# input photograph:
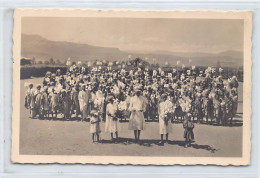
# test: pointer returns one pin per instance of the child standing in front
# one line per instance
(188, 132)
(94, 125)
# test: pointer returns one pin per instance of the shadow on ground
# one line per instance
(156, 142)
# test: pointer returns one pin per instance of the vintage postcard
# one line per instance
(131, 87)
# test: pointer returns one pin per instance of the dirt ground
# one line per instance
(48, 137)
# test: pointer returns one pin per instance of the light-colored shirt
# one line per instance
(137, 103)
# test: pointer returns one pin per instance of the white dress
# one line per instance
(163, 127)
(95, 127)
(82, 99)
(111, 126)
(99, 101)
(83, 103)
(136, 121)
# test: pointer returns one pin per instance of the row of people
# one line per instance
(136, 121)
(205, 95)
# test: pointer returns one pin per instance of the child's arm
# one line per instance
(184, 124)
(192, 125)
(94, 122)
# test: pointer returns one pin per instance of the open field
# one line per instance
(47, 137)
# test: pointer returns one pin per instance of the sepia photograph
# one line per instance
(132, 87)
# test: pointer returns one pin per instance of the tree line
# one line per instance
(33, 61)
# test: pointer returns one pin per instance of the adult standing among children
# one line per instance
(129, 96)
(137, 122)
(75, 100)
(89, 99)
(99, 101)
(234, 99)
(84, 101)
(91, 89)
(165, 109)
(112, 122)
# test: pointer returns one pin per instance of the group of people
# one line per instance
(137, 94)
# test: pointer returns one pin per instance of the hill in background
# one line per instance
(43, 49)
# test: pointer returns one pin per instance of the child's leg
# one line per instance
(135, 133)
(93, 137)
(138, 136)
(231, 121)
(161, 137)
(167, 137)
(32, 113)
(97, 134)
(56, 114)
(161, 142)
(116, 134)
(186, 142)
(112, 136)
(52, 114)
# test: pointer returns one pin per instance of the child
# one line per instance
(66, 104)
(54, 102)
(188, 132)
(45, 102)
(29, 98)
(94, 125)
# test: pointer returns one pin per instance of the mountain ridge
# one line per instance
(44, 49)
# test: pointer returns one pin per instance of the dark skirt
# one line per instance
(188, 134)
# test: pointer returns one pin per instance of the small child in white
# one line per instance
(94, 125)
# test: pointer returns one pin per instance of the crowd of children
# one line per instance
(138, 94)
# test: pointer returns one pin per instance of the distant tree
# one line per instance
(58, 61)
(26, 62)
(46, 62)
(146, 64)
(137, 61)
(155, 65)
(33, 60)
(40, 62)
(51, 61)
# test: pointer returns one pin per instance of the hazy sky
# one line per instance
(177, 35)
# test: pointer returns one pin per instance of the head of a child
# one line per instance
(30, 85)
(189, 117)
